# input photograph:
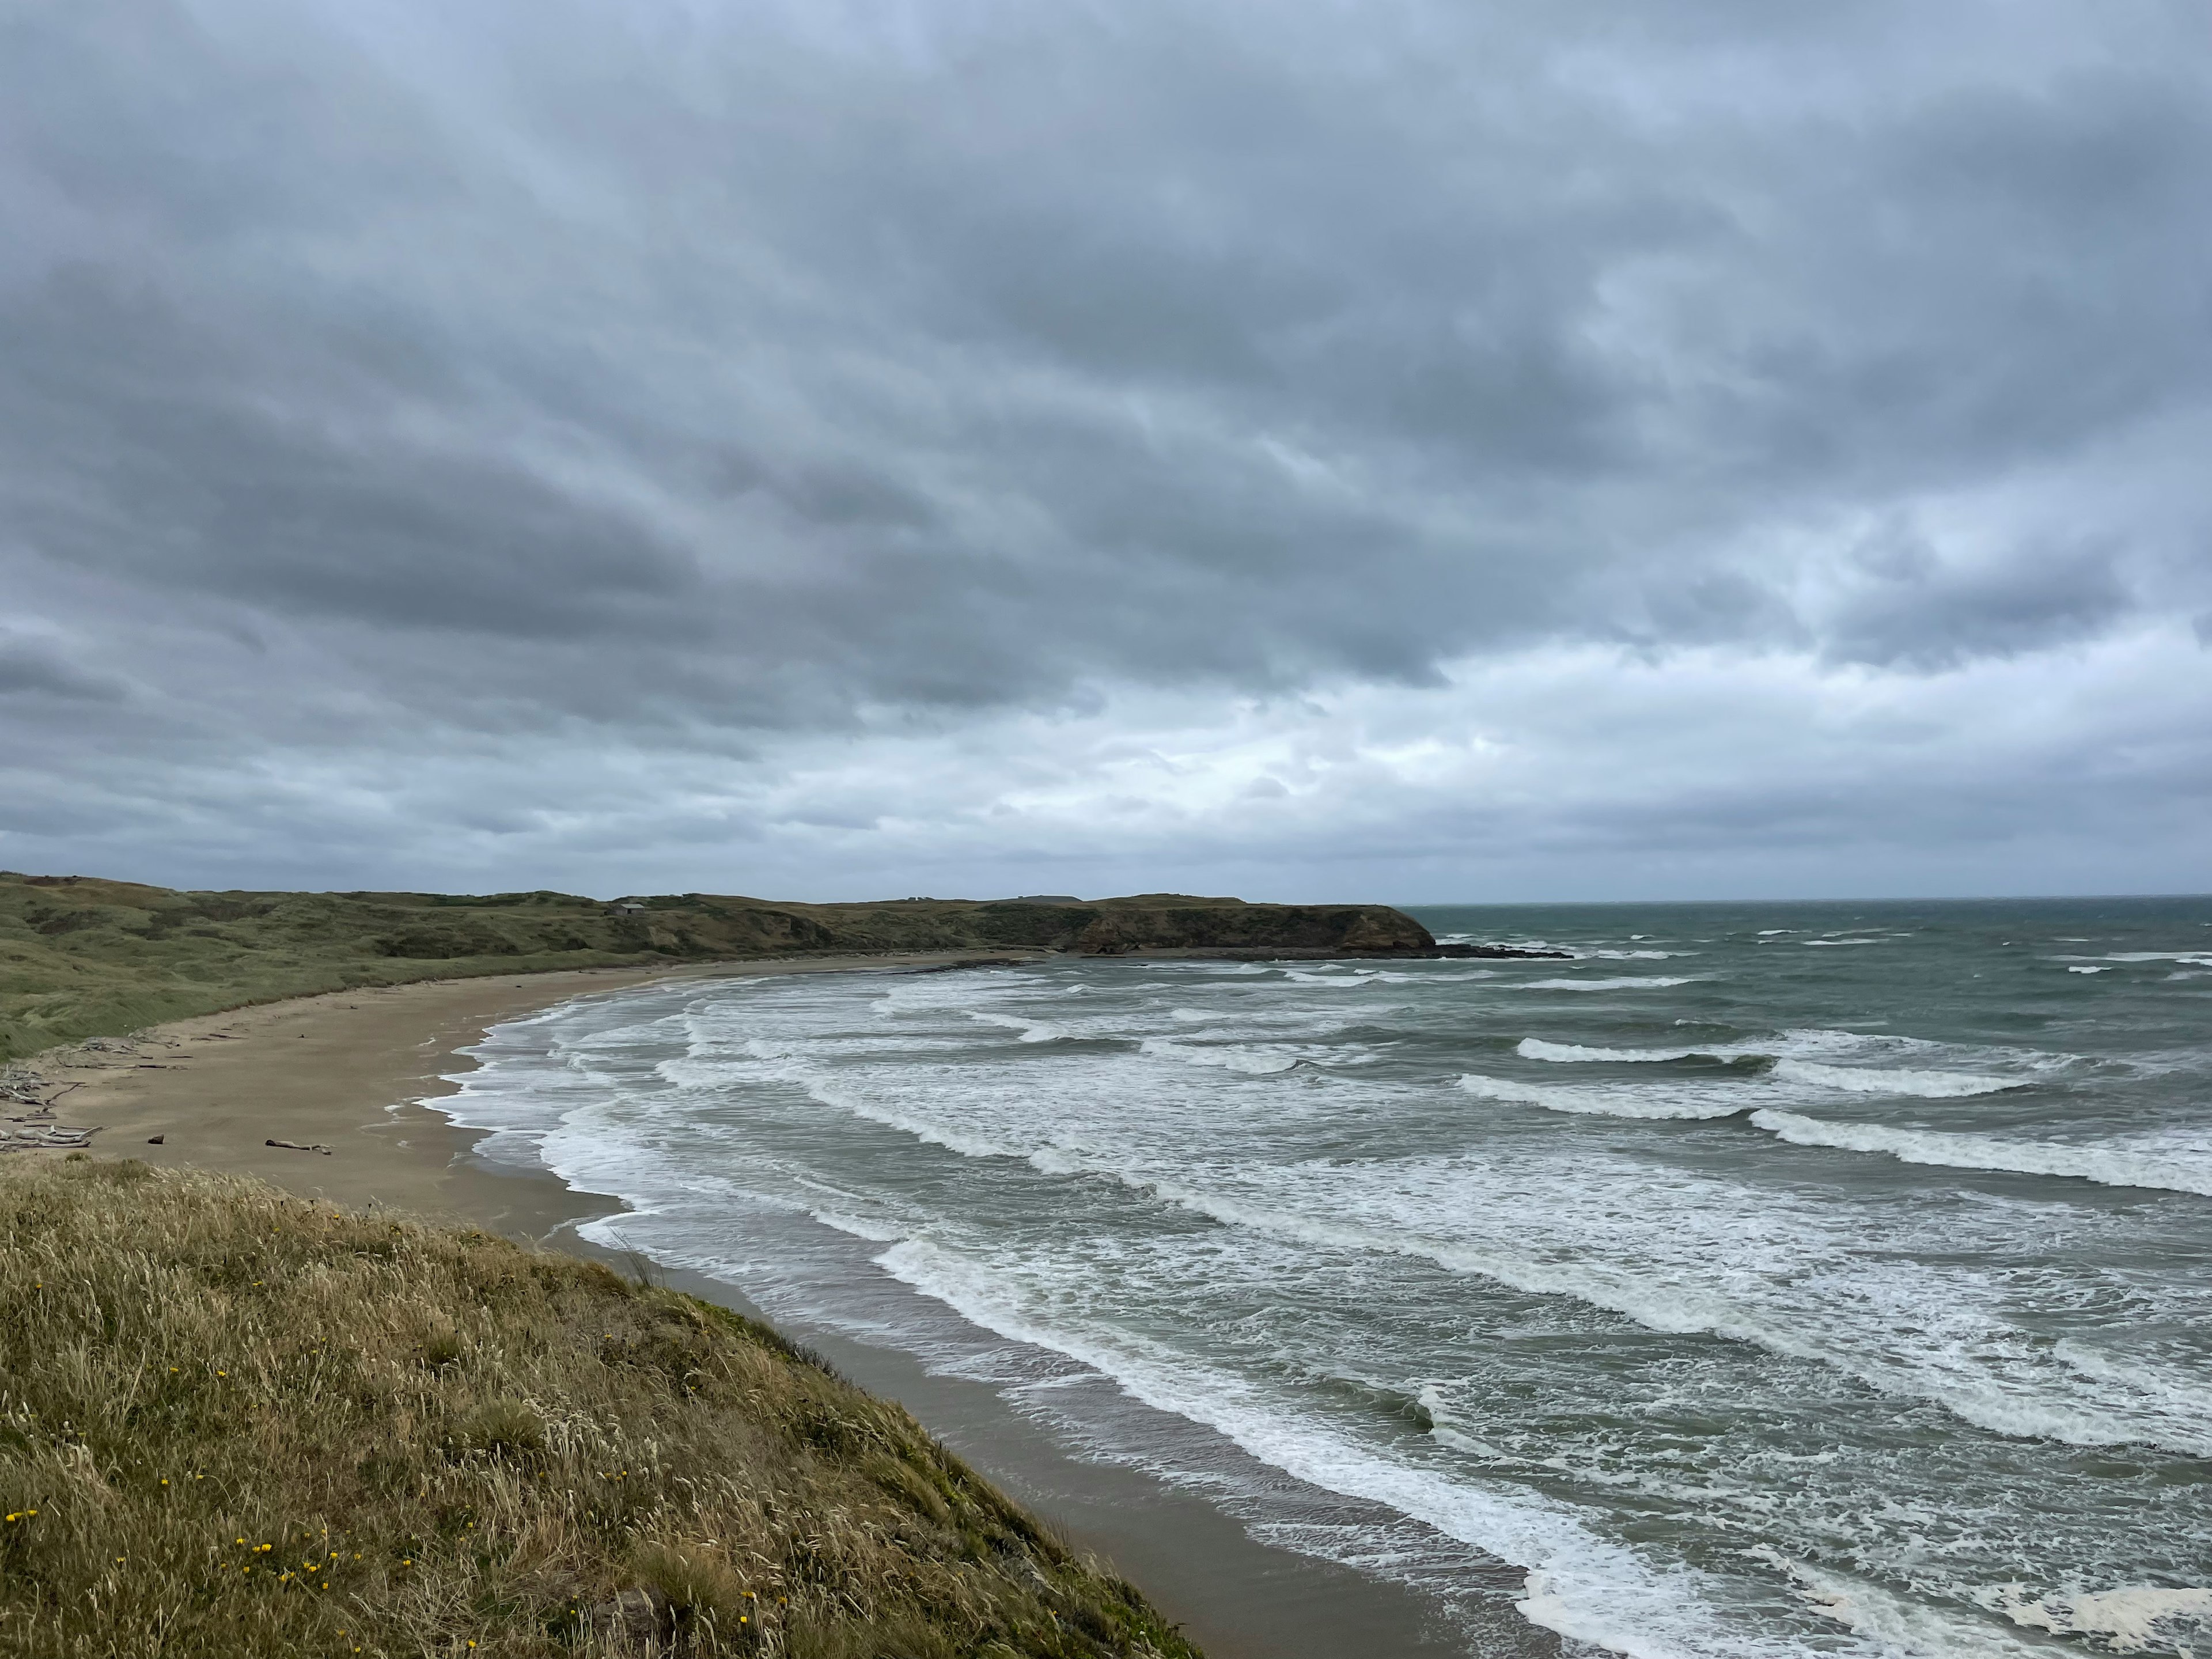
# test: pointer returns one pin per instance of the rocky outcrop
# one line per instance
(1336, 929)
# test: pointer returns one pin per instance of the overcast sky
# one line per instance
(1305, 448)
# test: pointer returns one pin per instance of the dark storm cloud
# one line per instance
(689, 374)
(1913, 610)
(41, 667)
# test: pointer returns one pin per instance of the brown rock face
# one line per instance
(1119, 928)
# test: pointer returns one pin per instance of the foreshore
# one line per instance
(352, 1072)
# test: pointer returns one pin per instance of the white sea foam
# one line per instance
(1644, 1100)
(1574, 1053)
(1253, 1058)
(920, 1125)
(1357, 979)
(1895, 1624)
(2088, 970)
(1840, 941)
(1791, 1044)
(2130, 1620)
(2111, 1166)
(1936, 1299)
(1031, 1030)
(1959, 1355)
(1578, 1585)
(1894, 1080)
(1647, 982)
(1635, 956)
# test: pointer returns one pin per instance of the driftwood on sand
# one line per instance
(295, 1146)
(21, 1135)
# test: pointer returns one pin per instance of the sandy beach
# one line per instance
(345, 1071)
(348, 1071)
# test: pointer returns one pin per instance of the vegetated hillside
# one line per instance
(80, 957)
(239, 1426)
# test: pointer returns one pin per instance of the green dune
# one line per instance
(81, 956)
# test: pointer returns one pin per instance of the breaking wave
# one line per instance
(1642, 982)
(2108, 1165)
(1645, 1100)
(1573, 1052)
(1894, 1080)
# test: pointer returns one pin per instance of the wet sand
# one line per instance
(347, 1070)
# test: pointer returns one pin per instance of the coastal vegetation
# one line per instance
(237, 1423)
(83, 957)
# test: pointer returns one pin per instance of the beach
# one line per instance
(349, 1071)
(345, 1071)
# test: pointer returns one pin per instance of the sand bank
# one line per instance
(348, 1071)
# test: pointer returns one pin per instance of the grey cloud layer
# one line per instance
(375, 375)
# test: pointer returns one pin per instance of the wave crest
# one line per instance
(1894, 1080)
(2108, 1165)
(1653, 1101)
(1572, 1053)
(1641, 983)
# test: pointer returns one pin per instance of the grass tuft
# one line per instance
(240, 1424)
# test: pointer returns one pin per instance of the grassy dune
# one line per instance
(83, 957)
(237, 1424)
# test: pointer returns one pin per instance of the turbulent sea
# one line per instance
(1765, 1280)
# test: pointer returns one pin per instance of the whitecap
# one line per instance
(1649, 983)
(1572, 1053)
(1893, 1081)
(1032, 1031)
(1643, 1100)
(2107, 1165)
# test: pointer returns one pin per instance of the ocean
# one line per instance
(1759, 1279)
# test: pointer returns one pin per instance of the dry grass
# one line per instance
(233, 1423)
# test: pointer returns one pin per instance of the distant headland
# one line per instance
(87, 958)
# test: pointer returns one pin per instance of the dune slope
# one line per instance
(237, 1423)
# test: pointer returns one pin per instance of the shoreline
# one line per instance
(350, 1070)
(360, 1071)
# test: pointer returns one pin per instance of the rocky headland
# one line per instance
(83, 957)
